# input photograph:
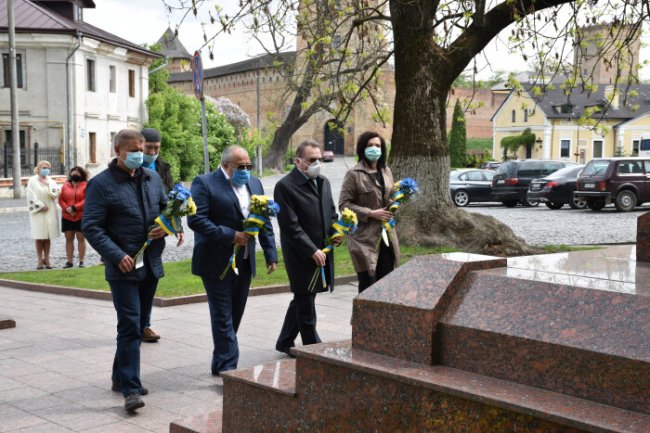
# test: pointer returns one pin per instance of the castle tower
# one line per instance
(178, 57)
(605, 51)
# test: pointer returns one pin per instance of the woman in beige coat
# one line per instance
(42, 193)
(366, 189)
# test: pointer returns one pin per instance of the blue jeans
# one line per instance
(227, 301)
(132, 301)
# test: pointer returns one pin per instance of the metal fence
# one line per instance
(28, 160)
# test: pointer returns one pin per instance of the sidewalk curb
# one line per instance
(13, 210)
(158, 302)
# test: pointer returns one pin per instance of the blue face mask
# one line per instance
(149, 159)
(44, 172)
(373, 153)
(240, 177)
(133, 160)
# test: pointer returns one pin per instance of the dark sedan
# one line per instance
(556, 189)
(470, 185)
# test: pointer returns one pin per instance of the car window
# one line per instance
(529, 169)
(551, 166)
(508, 169)
(647, 166)
(596, 168)
(462, 176)
(490, 174)
(474, 175)
(630, 167)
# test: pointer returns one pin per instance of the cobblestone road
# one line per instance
(537, 225)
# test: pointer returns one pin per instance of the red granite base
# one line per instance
(643, 238)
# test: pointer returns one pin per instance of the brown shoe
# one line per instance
(149, 336)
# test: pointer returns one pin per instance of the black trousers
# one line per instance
(300, 319)
(385, 265)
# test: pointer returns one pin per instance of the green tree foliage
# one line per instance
(458, 137)
(178, 118)
(512, 143)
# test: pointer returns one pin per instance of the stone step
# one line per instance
(260, 398)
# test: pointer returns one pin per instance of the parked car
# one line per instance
(470, 185)
(490, 165)
(328, 155)
(622, 181)
(511, 181)
(556, 189)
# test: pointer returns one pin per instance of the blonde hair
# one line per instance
(40, 164)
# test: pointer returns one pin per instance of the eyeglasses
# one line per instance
(242, 166)
(313, 160)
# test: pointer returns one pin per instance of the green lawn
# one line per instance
(179, 280)
(479, 144)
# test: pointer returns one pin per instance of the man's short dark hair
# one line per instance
(126, 135)
(151, 135)
(300, 150)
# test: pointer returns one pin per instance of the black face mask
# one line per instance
(75, 178)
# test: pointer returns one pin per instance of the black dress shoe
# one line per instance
(133, 401)
(67, 265)
(215, 373)
(286, 350)
(117, 387)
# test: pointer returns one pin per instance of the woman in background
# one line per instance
(71, 201)
(42, 192)
(366, 190)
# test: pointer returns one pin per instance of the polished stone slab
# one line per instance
(7, 322)
(643, 238)
(398, 314)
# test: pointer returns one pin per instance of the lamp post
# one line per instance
(13, 88)
(259, 129)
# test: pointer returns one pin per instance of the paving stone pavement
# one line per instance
(55, 366)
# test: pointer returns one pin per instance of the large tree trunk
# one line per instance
(419, 148)
(277, 154)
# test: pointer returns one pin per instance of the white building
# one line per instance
(69, 121)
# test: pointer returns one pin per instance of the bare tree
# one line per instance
(432, 43)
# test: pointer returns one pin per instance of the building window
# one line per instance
(113, 77)
(635, 147)
(598, 149)
(514, 116)
(131, 83)
(5, 70)
(90, 75)
(525, 115)
(111, 145)
(565, 148)
(92, 147)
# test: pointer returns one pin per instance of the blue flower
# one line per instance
(274, 208)
(410, 186)
(179, 193)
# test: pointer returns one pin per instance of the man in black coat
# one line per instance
(151, 159)
(307, 212)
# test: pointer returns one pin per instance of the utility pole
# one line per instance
(258, 126)
(13, 88)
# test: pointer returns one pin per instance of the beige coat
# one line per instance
(361, 193)
(44, 224)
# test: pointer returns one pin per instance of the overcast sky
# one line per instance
(144, 21)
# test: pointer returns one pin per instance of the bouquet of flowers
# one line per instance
(262, 209)
(402, 191)
(180, 204)
(345, 225)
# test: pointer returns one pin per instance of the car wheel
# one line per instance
(577, 202)
(510, 203)
(595, 204)
(529, 203)
(461, 198)
(554, 206)
(625, 201)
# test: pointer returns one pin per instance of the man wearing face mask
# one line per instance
(151, 159)
(121, 204)
(222, 200)
(307, 213)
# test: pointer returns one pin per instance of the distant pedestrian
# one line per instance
(307, 212)
(42, 192)
(151, 159)
(122, 202)
(71, 201)
(366, 190)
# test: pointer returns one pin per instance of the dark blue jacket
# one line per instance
(117, 219)
(218, 217)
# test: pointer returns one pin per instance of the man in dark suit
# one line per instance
(222, 199)
(307, 212)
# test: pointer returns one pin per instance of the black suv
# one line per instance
(510, 182)
(622, 181)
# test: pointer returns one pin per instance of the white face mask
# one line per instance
(313, 169)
